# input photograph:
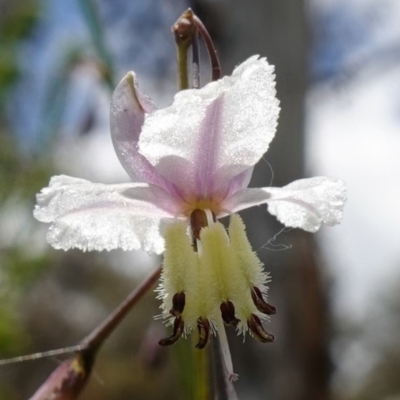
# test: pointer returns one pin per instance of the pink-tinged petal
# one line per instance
(93, 216)
(210, 135)
(240, 181)
(128, 110)
(304, 204)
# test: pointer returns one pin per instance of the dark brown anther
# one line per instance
(198, 220)
(178, 330)
(258, 331)
(228, 313)
(204, 332)
(260, 303)
(178, 304)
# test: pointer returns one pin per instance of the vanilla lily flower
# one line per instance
(191, 164)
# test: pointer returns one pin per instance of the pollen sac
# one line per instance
(178, 330)
(228, 313)
(260, 303)
(258, 331)
(178, 304)
(203, 325)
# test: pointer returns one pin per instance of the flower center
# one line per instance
(195, 205)
(209, 274)
(212, 277)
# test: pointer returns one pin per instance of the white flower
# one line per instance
(191, 163)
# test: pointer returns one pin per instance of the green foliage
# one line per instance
(19, 21)
(22, 270)
(6, 394)
(20, 178)
(8, 67)
(20, 175)
(15, 24)
(12, 338)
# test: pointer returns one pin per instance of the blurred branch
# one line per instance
(68, 380)
(92, 18)
(103, 331)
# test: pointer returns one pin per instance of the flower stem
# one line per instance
(68, 380)
(42, 354)
(226, 354)
(212, 52)
(202, 374)
(184, 31)
(103, 331)
(223, 387)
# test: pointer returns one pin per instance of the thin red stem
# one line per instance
(212, 52)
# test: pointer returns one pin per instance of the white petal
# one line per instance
(127, 114)
(93, 216)
(304, 204)
(209, 135)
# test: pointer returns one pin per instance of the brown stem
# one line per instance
(96, 338)
(69, 379)
(212, 52)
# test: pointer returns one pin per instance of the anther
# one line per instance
(178, 304)
(228, 313)
(258, 331)
(204, 332)
(178, 330)
(260, 303)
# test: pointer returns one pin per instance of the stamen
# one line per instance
(226, 354)
(258, 331)
(228, 313)
(178, 304)
(260, 303)
(198, 220)
(211, 218)
(178, 330)
(203, 325)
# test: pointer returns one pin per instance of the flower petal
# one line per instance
(128, 110)
(240, 181)
(209, 135)
(304, 204)
(93, 216)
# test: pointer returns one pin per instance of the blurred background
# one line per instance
(337, 292)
